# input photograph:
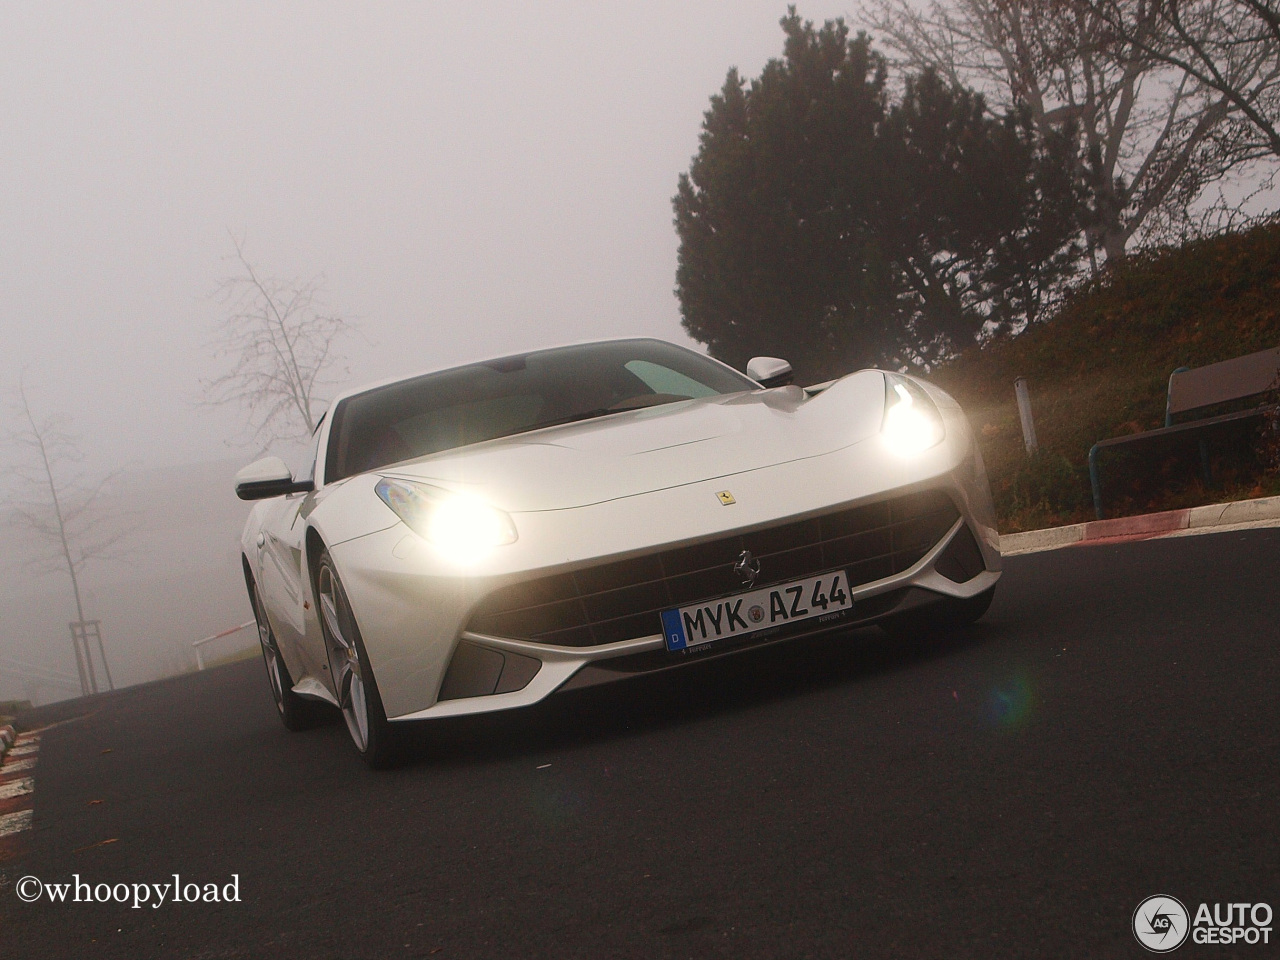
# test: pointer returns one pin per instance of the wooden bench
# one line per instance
(1191, 391)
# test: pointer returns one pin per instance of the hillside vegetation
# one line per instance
(1100, 368)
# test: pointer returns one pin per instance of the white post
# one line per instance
(197, 644)
(1024, 414)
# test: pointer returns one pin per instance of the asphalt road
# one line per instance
(1110, 731)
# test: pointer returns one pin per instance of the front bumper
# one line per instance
(414, 611)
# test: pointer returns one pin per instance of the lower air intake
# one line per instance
(623, 599)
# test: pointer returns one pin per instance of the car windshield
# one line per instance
(498, 398)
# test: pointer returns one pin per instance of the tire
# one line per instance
(296, 713)
(349, 668)
(939, 619)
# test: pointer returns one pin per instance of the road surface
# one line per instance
(1109, 731)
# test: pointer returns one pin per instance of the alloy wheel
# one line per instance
(344, 658)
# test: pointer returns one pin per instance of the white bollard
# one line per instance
(1024, 414)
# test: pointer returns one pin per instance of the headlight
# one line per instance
(911, 422)
(464, 528)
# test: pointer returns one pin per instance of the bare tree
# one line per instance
(1151, 135)
(1229, 46)
(280, 340)
(60, 508)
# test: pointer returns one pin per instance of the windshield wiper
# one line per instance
(623, 406)
(571, 418)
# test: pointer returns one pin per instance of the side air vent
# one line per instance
(962, 560)
(477, 671)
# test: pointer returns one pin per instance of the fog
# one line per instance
(175, 579)
(469, 179)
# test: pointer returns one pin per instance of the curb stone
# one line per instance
(1047, 539)
(7, 736)
(1242, 511)
(1144, 525)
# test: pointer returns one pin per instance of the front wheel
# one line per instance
(296, 713)
(353, 680)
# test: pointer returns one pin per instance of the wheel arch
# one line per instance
(249, 582)
(313, 545)
(259, 608)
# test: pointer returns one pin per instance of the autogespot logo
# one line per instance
(1161, 923)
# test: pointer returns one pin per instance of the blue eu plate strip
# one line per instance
(674, 630)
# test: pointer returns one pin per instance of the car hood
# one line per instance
(639, 451)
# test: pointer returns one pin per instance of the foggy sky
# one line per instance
(471, 179)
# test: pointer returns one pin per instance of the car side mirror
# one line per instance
(770, 371)
(268, 477)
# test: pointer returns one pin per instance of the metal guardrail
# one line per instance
(197, 644)
(33, 678)
(26, 671)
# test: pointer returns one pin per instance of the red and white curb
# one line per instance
(17, 788)
(1214, 518)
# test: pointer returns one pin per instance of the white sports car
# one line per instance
(477, 538)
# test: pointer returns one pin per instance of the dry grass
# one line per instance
(1100, 369)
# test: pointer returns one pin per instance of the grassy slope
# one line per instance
(1100, 368)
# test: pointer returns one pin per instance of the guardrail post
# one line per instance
(1024, 414)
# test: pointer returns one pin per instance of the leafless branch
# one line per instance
(58, 510)
(1231, 47)
(278, 341)
(1156, 125)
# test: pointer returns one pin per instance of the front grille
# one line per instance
(623, 600)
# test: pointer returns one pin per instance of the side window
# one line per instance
(662, 379)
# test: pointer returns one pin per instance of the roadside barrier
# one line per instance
(197, 644)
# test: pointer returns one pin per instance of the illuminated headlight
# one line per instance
(463, 527)
(911, 422)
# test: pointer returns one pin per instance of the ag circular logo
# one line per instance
(1161, 923)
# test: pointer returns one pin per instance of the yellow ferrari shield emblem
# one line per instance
(726, 497)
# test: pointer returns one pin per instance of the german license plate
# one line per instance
(761, 609)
